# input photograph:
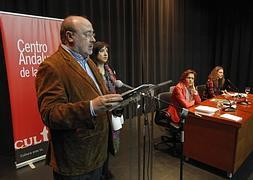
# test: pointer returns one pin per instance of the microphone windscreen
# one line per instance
(118, 83)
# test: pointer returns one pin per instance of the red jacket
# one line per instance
(179, 100)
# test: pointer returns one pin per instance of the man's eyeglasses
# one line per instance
(90, 34)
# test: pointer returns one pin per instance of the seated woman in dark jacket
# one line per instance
(184, 95)
(216, 82)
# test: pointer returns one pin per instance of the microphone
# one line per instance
(163, 83)
(119, 84)
(230, 107)
(233, 86)
(238, 95)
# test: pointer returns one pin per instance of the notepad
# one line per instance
(232, 117)
(205, 110)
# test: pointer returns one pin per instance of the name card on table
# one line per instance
(232, 117)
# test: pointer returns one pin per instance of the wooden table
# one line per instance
(218, 142)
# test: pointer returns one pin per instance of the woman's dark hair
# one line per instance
(96, 48)
(186, 72)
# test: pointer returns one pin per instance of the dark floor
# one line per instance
(125, 165)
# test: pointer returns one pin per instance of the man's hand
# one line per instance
(103, 103)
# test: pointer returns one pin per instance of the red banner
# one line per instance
(27, 41)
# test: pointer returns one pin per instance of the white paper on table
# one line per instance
(233, 94)
(232, 117)
(206, 109)
(199, 113)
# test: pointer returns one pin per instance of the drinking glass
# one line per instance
(219, 106)
(247, 91)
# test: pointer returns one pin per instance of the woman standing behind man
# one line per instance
(100, 57)
(216, 82)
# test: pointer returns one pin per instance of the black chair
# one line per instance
(162, 118)
(202, 91)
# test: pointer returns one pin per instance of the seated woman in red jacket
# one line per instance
(184, 95)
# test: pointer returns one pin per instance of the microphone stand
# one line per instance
(145, 132)
(239, 95)
(142, 95)
(230, 108)
(234, 88)
(147, 93)
(183, 115)
(135, 95)
(147, 136)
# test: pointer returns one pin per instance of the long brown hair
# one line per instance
(214, 76)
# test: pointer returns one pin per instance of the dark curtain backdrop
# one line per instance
(197, 34)
(116, 22)
(220, 33)
(156, 40)
(163, 40)
(152, 41)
